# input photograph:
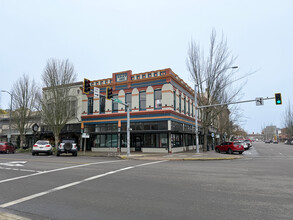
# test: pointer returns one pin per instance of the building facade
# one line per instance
(162, 113)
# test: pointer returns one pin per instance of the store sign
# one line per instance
(121, 77)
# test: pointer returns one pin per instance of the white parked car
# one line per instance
(244, 144)
(42, 146)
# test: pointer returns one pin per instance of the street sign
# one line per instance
(85, 135)
(259, 101)
(97, 91)
(117, 100)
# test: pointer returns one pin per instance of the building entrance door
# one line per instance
(138, 142)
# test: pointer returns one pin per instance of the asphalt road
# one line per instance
(259, 186)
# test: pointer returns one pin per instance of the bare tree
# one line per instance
(24, 99)
(213, 76)
(55, 100)
(288, 121)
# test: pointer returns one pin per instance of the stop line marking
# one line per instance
(5, 205)
(24, 170)
(14, 164)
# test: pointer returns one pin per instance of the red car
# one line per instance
(230, 147)
(6, 147)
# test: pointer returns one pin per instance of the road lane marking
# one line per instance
(14, 164)
(59, 169)
(5, 205)
(24, 170)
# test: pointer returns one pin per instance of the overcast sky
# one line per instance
(102, 37)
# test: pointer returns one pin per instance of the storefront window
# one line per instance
(106, 140)
(163, 140)
(176, 140)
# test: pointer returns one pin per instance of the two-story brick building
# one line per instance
(161, 118)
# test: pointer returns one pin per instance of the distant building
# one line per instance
(271, 132)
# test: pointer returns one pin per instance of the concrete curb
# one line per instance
(124, 157)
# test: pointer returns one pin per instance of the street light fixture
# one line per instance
(9, 134)
(196, 109)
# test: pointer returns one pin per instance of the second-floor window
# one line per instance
(158, 99)
(102, 104)
(90, 105)
(73, 108)
(115, 104)
(174, 100)
(128, 98)
(180, 103)
(184, 105)
(192, 109)
(188, 107)
(142, 100)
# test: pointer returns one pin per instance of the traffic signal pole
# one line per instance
(231, 103)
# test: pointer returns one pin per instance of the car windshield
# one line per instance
(2, 143)
(68, 141)
(42, 142)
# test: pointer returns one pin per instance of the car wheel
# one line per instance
(58, 154)
(240, 152)
(33, 153)
(217, 150)
(230, 151)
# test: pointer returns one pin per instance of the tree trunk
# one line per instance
(56, 140)
(21, 141)
(205, 142)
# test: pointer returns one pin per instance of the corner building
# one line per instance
(161, 113)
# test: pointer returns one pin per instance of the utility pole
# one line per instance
(128, 122)
(196, 116)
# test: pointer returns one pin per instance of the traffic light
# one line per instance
(109, 94)
(86, 86)
(278, 98)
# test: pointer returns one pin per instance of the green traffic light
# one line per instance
(278, 98)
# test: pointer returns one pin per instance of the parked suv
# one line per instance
(67, 146)
(230, 148)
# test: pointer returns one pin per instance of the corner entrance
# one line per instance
(137, 142)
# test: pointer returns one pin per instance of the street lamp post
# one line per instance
(9, 134)
(196, 109)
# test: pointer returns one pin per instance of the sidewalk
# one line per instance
(188, 155)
